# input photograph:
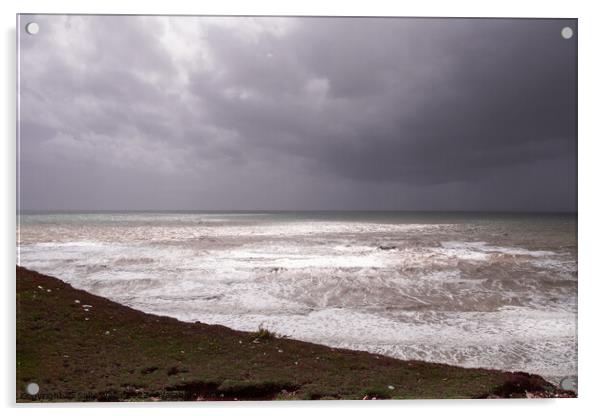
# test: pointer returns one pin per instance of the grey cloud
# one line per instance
(331, 114)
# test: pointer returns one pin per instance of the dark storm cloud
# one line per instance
(239, 113)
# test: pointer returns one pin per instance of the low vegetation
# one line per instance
(79, 347)
(263, 334)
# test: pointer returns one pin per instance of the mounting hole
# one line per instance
(32, 389)
(32, 28)
(566, 32)
(568, 383)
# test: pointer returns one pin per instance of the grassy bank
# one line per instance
(77, 346)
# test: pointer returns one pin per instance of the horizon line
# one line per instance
(26, 211)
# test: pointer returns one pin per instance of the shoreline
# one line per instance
(82, 347)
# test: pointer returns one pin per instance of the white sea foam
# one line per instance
(481, 250)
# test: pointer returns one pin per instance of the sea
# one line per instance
(483, 290)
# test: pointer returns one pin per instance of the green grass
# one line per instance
(112, 352)
(263, 334)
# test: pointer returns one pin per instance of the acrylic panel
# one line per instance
(258, 208)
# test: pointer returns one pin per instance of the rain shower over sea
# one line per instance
(470, 289)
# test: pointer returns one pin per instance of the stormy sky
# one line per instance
(213, 113)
